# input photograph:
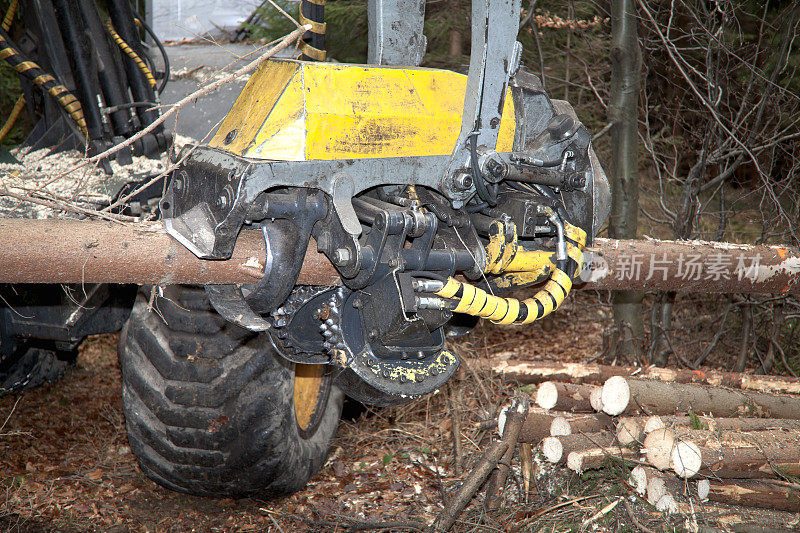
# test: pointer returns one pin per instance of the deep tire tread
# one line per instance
(208, 405)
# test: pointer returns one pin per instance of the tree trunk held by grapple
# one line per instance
(69, 251)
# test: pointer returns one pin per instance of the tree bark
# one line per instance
(623, 113)
(663, 398)
(727, 457)
(537, 424)
(765, 494)
(681, 423)
(566, 397)
(582, 442)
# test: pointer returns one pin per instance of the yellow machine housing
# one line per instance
(297, 111)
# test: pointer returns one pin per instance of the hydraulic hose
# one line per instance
(163, 52)
(12, 118)
(313, 43)
(125, 47)
(474, 301)
(10, 12)
(48, 83)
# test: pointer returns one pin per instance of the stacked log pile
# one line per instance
(729, 438)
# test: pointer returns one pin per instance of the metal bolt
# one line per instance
(462, 182)
(357, 303)
(419, 378)
(385, 373)
(373, 334)
(341, 256)
(394, 262)
(496, 168)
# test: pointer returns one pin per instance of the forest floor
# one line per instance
(65, 464)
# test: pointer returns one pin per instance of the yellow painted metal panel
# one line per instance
(355, 111)
(254, 104)
(283, 134)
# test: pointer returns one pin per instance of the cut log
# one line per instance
(596, 399)
(760, 454)
(656, 488)
(552, 449)
(560, 426)
(590, 423)
(616, 395)
(667, 504)
(539, 424)
(574, 443)
(729, 424)
(536, 426)
(538, 372)
(629, 430)
(653, 423)
(635, 396)
(686, 459)
(566, 397)
(703, 488)
(765, 494)
(638, 480)
(598, 457)
(658, 446)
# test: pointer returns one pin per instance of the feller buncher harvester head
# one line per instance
(431, 192)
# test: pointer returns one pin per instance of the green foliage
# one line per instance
(346, 34)
(696, 423)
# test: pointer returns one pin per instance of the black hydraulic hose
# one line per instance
(480, 184)
(84, 71)
(109, 73)
(122, 18)
(313, 43)
(29, 69)
(161, 49)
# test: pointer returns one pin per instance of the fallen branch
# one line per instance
(486, 464)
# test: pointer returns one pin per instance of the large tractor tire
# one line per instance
(212, 410)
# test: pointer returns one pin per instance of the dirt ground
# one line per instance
(65, 464)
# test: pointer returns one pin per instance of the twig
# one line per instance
(516, 416)
(286, 41)
(11, 413)
(641, 527)
(602, 132)
(66, 206)
(455, 413)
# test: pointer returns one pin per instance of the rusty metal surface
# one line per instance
(64, 251)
